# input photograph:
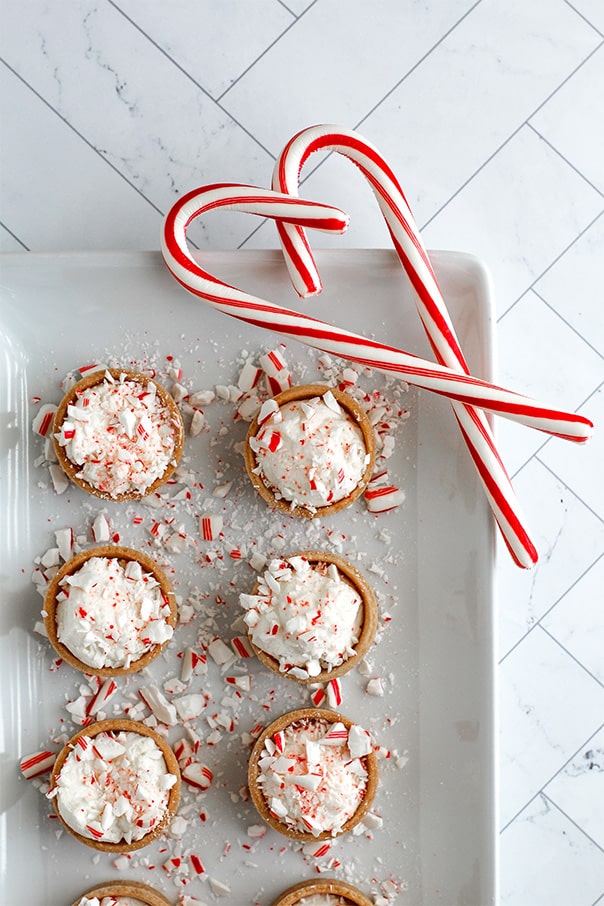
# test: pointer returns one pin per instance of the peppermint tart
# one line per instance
(118, 434)
(109, 611)
(311, 616)
(313, 774)
(115, 785)
(324, 892)
(310, 451)
(122, 893)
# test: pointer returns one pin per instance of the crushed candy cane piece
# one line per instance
(42, 422)
(198, 775)
(334, 693)
(37, 764)
(210, 527)
(101, 530)
(158, 705)
(383, 499)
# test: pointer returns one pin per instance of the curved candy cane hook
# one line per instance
(430, 303)
(288, 209)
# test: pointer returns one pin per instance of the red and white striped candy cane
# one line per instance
(430, 304)
(287, 209)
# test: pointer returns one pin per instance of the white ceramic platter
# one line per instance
(430, 561)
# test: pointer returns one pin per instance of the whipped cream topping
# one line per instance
(114, 787)
(121, 434)
(310, 452)
(110, 612)
(305, 615)
(115, 901)
(312, 774)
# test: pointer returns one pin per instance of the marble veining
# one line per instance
(490, 113)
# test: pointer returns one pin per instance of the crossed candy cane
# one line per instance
(454, 381)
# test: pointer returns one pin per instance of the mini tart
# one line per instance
(254, 772)
(353, 411)
(118, 726)
(353, 577)
(72, 469)
(133, 889)
(350, 895)
(115, 553)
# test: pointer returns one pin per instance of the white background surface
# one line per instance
(490, 114)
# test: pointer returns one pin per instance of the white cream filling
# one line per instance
(304, 615)
(312, 775)
(110, 614)
(114, 787)
(323, 899)
(121, 435)
(310, 452)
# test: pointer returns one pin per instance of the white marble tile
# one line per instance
(545, 859)
(570, 122)
(519, 213)
(569, 538)
(574, 283)
(540, 356)
(593, 10)
(581, 469)
(231, 41)
(578, 790)
(336, 64)
(98, 208)
(577, 621)
(146, 118)
(541, 725)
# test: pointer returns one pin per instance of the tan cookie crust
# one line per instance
(370, 762)
(115, 553)
(71, 469)
(350, 895)
(135, 889)
(369, 627)
(354, 412)
(118, 726)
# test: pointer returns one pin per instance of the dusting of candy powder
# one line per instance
(310, 452)
(110, 613)
(305, 615)
(312, 775)
(114, 787)
(121, 435)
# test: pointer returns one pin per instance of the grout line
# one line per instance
(15, 237)
(599, 901)
(285, 6)
(595, 28)
(566, 160)
(572, 821)
(555, 774)
(551, 265)
(548, 440)
(568, 324)
(571, 655)
(81, 136)
(264, 52)
(512, 135)
(557, 477)
(549, 609)
(188, 75)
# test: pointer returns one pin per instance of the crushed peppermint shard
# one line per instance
(384, 498)
(37, 764)
(313, 777)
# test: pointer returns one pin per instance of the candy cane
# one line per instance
(430, 303)
(251, 309)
